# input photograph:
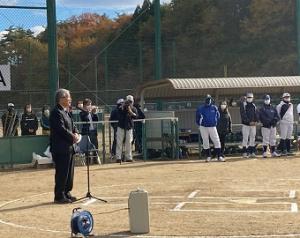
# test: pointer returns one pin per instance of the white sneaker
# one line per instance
(265, 155)
(275, 154)
(222, 159)
(245, 156)
(208, 159)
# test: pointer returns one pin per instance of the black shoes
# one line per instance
(62, 200)
(70, 197)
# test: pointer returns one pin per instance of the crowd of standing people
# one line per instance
(215, 123)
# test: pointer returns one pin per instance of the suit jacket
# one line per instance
(61, 131)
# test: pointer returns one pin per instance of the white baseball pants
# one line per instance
(212, 133)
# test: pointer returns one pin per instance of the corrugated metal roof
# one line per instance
(247, 82)
(189, 87)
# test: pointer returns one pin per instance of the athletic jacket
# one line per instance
(248, 113)
(268, 116)
(285, 111)
(207, 115)
(224, 123)
(29, 121)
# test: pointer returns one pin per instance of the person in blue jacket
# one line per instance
(269, 118)
(207, 117)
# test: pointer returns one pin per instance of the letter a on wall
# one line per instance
(5, 81)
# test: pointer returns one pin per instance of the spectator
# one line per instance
(249, 119)
(114, 116)
(127, 112)
(45, 120)
(29, 121)
(10, 121)
(224, 124)
(207, 117)
(269, 118)
(90, 129)
(138, 127)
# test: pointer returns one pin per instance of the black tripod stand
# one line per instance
(87, 147)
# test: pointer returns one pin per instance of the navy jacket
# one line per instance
(114, 116)
(125, 119)
(268, 116)
(61, 131)
(207, 115)
(84, 117)
(224, 123)
(248, 113)
(29, 121)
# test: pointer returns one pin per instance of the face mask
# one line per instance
(223, 107)
(267, 102)
(80, 105)
(46, 113)
(89, 108)
(208, 101)
(287, 99)
(249, 99)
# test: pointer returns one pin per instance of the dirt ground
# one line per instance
(240, 198)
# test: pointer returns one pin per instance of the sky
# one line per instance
(36, 19)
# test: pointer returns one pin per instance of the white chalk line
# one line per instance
(31, 227)
(90, 201)
(292, 194)
(210, 236)
(229, 211)
(294, 207)
(179, 206)
(193, 194)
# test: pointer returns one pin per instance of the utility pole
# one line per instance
(52, 50)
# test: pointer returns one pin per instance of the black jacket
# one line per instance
(114, 116)
(84, 116)
(29, 121)
(125, 119)
(248, 113)
(268, 116)
(61, 131)
(224, 123)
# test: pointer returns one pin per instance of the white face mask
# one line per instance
(286, 99)
(89, 108)
(223, 107)
(46, 113)
(267, 102)
(249, 99)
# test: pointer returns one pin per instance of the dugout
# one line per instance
(192, 91)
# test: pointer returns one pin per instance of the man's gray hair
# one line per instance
(60, 93)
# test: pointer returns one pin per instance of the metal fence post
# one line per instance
(103, 143)
(177, 138)
(144, 140)
(199, 145)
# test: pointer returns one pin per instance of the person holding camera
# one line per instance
(127, 113)
(249, 119)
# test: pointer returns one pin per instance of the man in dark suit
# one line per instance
(63, 134)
